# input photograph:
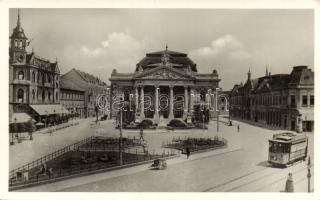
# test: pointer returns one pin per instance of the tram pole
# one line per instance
(120, 139)
(309, 173)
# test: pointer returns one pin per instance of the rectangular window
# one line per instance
(311, 100)
(293, 100)
(304, 100)
(280, 100)
(284, 100)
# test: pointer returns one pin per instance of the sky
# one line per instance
(231, 41)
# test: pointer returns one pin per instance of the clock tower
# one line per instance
(18, 43)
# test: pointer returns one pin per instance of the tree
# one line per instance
(21, 127)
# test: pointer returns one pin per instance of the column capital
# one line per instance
(185, 86)
(171, 86)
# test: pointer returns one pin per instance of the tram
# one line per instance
(287, 148)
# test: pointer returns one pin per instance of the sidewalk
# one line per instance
(43, 144)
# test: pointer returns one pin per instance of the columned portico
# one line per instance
(169, 83)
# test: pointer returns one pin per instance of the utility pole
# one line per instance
(120, 139)
(309, 173)
(217, 109)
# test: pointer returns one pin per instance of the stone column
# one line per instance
(171, 116)
(137, 99)
(156, 104)
(186, 101)
(192, 98)
(142, 103)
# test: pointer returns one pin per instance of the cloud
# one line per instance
(120, 50)
(228, 46)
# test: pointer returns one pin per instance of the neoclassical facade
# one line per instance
(165, 85)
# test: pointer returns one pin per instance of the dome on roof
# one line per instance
(177, 59)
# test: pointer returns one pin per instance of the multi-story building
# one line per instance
(92, 86)
(283, 101)
(72, 98)
(165, 85)
(33, 81)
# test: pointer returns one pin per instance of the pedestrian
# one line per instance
(141, 134)
(289, 184)
(188, 152)
(238, 127)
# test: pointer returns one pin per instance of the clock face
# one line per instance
(20, 57)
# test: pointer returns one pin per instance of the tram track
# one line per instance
(265, 172)
(283, 176)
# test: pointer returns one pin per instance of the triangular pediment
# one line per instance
(164, 73)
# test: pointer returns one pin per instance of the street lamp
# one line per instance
(15, 124)
(46, 118)
(309, 173)
(217, 109)
(120, 142)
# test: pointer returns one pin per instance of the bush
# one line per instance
(146, 123)
(177, 123)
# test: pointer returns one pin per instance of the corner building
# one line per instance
(34, 82)
(284, 101)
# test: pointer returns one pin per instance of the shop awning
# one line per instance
(49, 109)
(20, 118)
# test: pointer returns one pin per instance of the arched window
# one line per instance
(49, 79)
(16, 43)
(20, 44)
(49, 96)
(57, 96)
(20, 95)
(38, 96)
(33, 95)
(20, 75)
(57, 85)
(33, 77)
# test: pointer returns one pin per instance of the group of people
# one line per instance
(44, 169)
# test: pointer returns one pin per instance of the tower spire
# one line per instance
(166, 47)
(249, 74)
(18, 20)
(267, 73)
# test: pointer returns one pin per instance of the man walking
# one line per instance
(238, 128)
(188, 152)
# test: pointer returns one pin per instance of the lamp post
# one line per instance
(120, 139)
(46, 119)
(309, 173)
(217, 109)
(15, 124)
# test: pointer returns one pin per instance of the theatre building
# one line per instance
(280, 101)
(165, 85)
(33, 82)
